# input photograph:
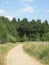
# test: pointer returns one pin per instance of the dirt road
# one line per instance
(17, 56)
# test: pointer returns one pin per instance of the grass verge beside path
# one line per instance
(4, 48)
(40, 50)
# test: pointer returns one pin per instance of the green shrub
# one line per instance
(11, 39)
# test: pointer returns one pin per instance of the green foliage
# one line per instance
(46, 36)
(11, 39)
(23, 30)
(3, 33)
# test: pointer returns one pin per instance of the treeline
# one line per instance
(23, 30)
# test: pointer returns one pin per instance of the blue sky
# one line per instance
(31, 9)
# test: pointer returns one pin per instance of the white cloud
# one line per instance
(2, 11)
(27, 10)
(6, 14)
(47, 10)
(7, 2)
(9, 17)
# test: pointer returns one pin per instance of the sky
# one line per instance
(30, 9)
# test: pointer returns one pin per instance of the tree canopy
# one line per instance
(23, 30)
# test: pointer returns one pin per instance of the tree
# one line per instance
(46, 37)
(45, 27)
(23, 27)
(23, 30)
(3, 33)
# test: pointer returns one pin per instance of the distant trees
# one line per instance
(3, 32)
(23, 30)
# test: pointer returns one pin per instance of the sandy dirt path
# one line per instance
(17, 56)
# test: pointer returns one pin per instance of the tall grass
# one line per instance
(38, 49)
(4, 48)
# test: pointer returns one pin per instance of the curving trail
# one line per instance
(17, 56)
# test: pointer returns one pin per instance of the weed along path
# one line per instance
(17, 56)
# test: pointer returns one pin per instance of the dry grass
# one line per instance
(4, 48)
(38, 49)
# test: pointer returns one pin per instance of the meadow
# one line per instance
(40, 50)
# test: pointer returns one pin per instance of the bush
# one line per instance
(11, 39)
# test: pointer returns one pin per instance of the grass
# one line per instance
(4, 48)
(40, 50)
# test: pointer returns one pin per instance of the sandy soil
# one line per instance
(17, 56)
